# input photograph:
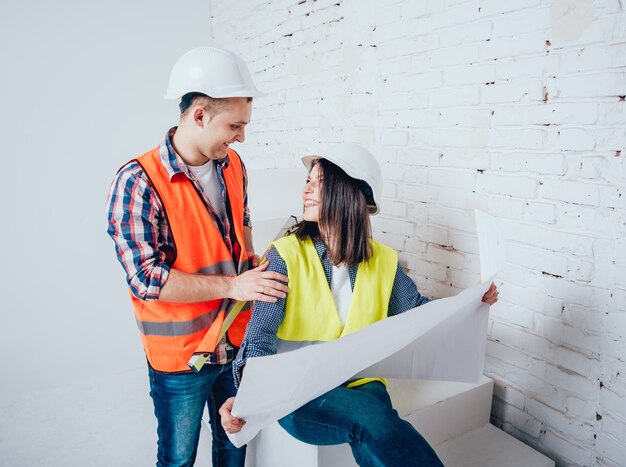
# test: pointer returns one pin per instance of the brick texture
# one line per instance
(514, 107)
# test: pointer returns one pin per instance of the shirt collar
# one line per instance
(322, 252)
(320, 248)
(173, 163)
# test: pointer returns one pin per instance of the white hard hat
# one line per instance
(357, 162)
(211, 71)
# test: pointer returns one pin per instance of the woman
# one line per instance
(341, 280)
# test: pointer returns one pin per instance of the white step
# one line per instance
(488, 446)
(274, 447)
(441, 410)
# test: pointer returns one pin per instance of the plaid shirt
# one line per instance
(267, 317)
(142, 236)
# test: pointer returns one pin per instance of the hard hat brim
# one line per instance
(243, 92)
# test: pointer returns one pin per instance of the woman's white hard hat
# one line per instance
(212, 71)
(357, 162)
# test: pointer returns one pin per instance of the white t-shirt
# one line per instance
(341, 290)
(207, 176)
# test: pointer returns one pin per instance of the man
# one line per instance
(179, 218)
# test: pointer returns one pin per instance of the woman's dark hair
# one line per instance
(344, 217)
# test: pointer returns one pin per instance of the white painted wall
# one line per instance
(81, 92)
(509, 106)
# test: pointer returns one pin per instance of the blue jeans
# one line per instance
(179, 400)
(364, 418)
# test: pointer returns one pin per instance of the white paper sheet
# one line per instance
(276, 385)
(492, 240)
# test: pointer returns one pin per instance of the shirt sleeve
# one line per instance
(246, 210)
(133, 224)
(404, 294)
(266, 318)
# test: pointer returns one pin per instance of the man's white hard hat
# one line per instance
(212, 71)
(357, 162)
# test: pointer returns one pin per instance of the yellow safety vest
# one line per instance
(310, 311)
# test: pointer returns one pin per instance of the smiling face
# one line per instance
(335, 210)
(312, 195)
(208, 126)
(224, 126)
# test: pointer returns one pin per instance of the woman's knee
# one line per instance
(377, 390)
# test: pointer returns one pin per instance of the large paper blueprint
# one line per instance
(447, 337)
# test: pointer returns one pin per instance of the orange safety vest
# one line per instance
(173, 332)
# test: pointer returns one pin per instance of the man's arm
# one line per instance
(247, 235)
(139, 235)
(255, 284)
(141, 244)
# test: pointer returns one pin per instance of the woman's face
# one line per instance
(312, 195)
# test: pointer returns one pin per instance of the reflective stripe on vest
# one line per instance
(310, 311)
(173, 332)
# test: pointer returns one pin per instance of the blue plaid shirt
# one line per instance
(267, 317)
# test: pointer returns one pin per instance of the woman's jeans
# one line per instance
(179, 401)
(364, 418)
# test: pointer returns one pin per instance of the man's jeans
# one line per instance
(364, 418)
(179, 400)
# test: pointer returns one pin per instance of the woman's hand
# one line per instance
(491, 296)
(229, 423)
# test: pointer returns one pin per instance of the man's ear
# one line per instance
(198, 116)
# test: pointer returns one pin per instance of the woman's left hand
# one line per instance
(491, 296)
(229, 423)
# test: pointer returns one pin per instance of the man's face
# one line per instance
(224, 126)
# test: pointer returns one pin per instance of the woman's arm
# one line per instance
(404, 294)
(266, 318)
(260, 340)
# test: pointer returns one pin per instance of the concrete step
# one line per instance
(489, 446)
(441, 410)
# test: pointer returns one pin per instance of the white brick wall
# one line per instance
(515, 107)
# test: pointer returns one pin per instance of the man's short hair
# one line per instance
(211, 104)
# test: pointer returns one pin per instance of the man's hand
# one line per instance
(259, 284)
(229, 423)
(491, 296)
(255, 260)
